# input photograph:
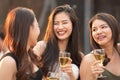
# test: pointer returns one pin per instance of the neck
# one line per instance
(110, 51)
(62, 45)
(4, 49)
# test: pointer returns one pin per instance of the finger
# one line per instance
(96, 62)
(70, 61)
(97, 70)
(67, 67)
(67, 70)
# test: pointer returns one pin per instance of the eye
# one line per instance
(64, 22)
(56, 23)
(104, 26)
(94, 29)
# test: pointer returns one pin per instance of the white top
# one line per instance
(65, 76)
(39, 49)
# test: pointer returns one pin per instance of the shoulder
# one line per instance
(88, 58)
(85, 67)
(8, 62)
(7, 68)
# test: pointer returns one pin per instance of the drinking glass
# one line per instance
(63, 58)
(52, 76)
(100, 55)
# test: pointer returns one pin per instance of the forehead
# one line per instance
(98, 22)
(61, 16)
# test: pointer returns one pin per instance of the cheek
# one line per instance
(54, 29)
(93, 35)
(70, 29)
(109, 32)
(38, 32)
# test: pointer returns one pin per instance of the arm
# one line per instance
(85, 68)
(8, 69)
(39, 48)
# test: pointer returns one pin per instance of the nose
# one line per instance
(60, 26)
(99, 31)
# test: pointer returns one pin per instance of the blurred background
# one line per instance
(85, 9)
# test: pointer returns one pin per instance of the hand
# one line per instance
(97, 69)
(68, 67)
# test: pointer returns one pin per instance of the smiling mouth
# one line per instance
(61, 33)
(100, 38)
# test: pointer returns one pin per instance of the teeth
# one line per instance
(61, 32)
(100, 37)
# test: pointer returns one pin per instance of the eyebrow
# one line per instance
(103, 24)
(100, 25)
(62, 20)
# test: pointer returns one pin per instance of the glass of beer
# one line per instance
(100, 55)
(52, 76)
(63, 58)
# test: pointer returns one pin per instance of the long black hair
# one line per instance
(51, 53)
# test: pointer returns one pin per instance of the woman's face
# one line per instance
(62, 26)
(101, 32)
(34, 33)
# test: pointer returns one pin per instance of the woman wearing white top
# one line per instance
(62, 34)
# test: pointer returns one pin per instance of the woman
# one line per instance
(22, 32)
(104, 34)
(61, 35)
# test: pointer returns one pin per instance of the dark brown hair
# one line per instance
(17, 27)
(113, 24)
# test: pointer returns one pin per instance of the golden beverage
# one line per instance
(100, 57)
(63, 60)
(52, 78)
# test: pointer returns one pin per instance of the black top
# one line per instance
(38, 74)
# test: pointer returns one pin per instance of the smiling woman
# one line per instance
(62, 35)
(62, 26)
(101, 32)
(104, 34)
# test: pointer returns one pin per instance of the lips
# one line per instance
(100, 38)
(61, 33)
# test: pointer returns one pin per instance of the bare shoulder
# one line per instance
(85, 67)
(7, 68)
(8, 63)
(88, 58)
